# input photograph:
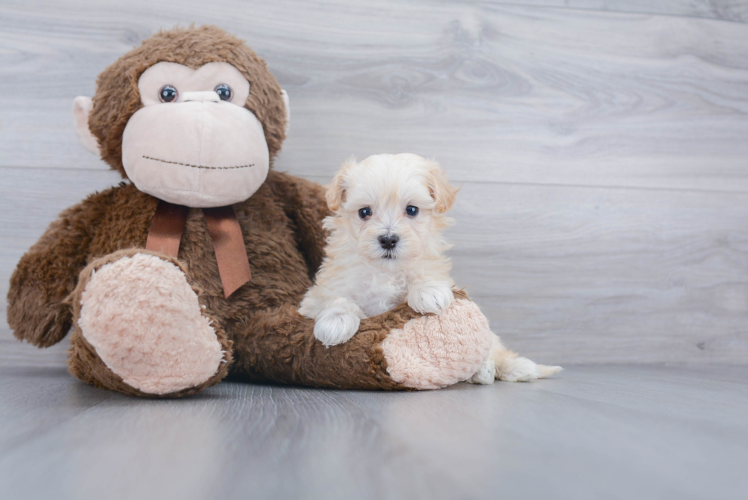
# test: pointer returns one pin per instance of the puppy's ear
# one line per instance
(441, 190)
(336, 190)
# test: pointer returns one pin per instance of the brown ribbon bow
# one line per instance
(228, 242)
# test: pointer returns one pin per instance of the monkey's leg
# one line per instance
(139, 328)
(398, 350)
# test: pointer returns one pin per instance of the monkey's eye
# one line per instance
(168, 94)
(364, 213)
(411, 211)
(224, 92)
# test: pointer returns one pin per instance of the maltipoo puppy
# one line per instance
(386, 247)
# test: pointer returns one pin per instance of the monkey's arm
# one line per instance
(48, 272)
(304, 202)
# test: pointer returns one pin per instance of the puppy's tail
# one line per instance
(546, 371)
(513, 368)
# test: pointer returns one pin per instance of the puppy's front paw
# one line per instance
(430, 298)
(334, 326)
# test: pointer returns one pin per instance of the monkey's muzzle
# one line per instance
(202, 152)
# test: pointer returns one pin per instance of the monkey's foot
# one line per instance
(142, 319)
(430, 352)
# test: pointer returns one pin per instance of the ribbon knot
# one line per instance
(166, 231)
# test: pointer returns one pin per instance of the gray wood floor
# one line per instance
(592, 432)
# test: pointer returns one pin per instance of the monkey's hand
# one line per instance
(42, 323)
(46, 275)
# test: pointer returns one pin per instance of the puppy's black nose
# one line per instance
(388, 241)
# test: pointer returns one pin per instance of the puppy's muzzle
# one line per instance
(388, 241)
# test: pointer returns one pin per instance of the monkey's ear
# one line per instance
(82, 107)
(336, 190)
(286, 104)
(441, 190)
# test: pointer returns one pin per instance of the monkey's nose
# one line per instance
(208, 95)
(388, 241)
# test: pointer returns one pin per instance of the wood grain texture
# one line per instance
(728, 10)
(611, 275)
(590, 433)
(565, 274)
(502, 93)
(601, 145)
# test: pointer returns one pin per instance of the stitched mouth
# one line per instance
(198, 166)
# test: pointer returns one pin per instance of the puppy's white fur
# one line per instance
(360, 278)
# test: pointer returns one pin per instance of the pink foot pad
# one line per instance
(144, 321)
(432, 352)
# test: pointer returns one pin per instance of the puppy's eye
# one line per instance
(224, 92)
(364, 213)
(411, 211)
(168, 94)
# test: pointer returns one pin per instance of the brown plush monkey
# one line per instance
(165, 300)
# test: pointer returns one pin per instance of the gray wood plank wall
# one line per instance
(602, 145)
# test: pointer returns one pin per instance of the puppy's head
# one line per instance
(392, 207)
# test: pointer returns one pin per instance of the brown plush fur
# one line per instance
(281, 223)
(117, 96)
(271, 341)
(299, 358)
(86, 365)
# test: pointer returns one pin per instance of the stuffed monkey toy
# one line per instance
(193, 267)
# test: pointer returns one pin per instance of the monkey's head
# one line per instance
(192, 116)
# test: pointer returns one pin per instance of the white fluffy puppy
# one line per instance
(385, 247)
